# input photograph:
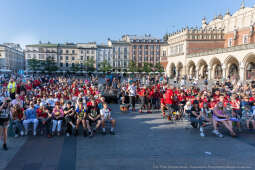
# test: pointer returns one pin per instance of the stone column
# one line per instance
(209, 72)
(241, 72)
(223, 66)
(197, 73)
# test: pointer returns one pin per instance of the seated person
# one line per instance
(93, 116)
(57, 116)
(44, 117)
(69, 116)
(30, 117)
(106, 116)
(249, 116)
(219, 115)
(81, 117)
(17, 116)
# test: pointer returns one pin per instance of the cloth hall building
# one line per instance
(222, 48)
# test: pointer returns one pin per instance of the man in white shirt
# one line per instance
(132, 95)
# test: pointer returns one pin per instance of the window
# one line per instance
(29, 56)
(61, 57)
(81, 51)
(134, 47)
(81, 57)
(61, 51)
(140, 46)
(230, 42)
(146, 52)
(145, 58)
(73, 58)
(72, 64)
(61, 64)
(66, 64)
(67, 58)
(67, 51)
(164, 53)
(73, 51)
(245, 39)
(146, 47)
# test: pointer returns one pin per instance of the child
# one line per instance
(106, 116)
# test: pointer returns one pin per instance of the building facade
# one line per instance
(120, 55)
(65, 55)
(143, 49)
(103, 53)
(222, 48)
(12, 57)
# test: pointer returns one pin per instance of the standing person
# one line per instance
(12, 88)
(132, 95)
(4, 120)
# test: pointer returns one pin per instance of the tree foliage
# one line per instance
(132, 67)
(105, 66)
(89, 65)
(34, 64)
(50, 64)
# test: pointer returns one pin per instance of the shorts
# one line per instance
(91, 121)
(4, 123)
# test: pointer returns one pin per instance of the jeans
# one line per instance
(195, 120)
(28, 121)
(56, 124)
(170, 109)
(17, 126)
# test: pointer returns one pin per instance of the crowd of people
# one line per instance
(53, 106)
(228, 103)
(57, 105)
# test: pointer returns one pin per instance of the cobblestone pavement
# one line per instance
(142, 141)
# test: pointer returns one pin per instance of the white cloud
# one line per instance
(24, 39)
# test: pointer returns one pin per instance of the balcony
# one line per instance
(223, 50)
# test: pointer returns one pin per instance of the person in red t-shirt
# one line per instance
(17, 113)
(142, 95)
(169, 102)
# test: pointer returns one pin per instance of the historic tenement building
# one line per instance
(65, 55)
(222, 48)
(12, 57)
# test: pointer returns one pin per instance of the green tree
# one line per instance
(159, 68)
(89, 65)
(34, 64)
(147, 67)
(75, 67)
(105, 66)
(50, 65)
(132, 67)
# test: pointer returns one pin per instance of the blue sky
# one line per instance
(28, 21)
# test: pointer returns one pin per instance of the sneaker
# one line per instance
(49, 136)
(42, 132)
(112, 133)
(67, 134)
(90, 134)
(58, 133)
(202, 134)
(21, 133)
(217, 133)
(34, 133)
(26, 132)
(5, 147)
(104, 133)
(16, 135)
